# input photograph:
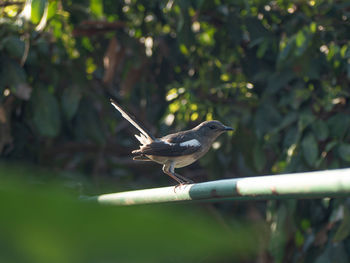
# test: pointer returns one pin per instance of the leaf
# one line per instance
(330, 145)
(286, 121)
(43, 19)
(286, 51)
(52, 9)
(70, 101)
(300, 38)
(38, 8)
(292, 136)
(300, 94)
(320, 129)
(96, 8)
(302, 41)
(46, 114)
(310, 149)
(305, 119)
(266, 118)
(14, 46)
(256, 29)
(262, 48)
(259, 158)
(88, 124)
(278, 80)
(11, 73)
(344, 151)
(338, 125)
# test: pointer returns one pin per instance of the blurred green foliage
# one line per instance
(43, 223)
(277, 71)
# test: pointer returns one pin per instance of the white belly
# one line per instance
(182, 162)
(179, 161)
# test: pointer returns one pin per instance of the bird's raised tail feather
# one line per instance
(142, 139)
(145, 137)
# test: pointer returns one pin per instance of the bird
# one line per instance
(175, 150)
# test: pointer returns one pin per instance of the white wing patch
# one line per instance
(191, 143)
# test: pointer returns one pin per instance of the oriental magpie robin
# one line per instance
(175, 150)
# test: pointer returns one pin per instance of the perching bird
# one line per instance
(175, 150)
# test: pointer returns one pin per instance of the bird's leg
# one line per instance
(168, 169)
(180, 177)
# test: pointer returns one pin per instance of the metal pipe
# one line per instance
(318, 184)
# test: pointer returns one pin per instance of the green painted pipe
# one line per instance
(319, 184)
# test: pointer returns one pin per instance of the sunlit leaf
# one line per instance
(38, 8)
(52, 9)
(300, 38)
(43, 19)
(286, 51)
(96, 7)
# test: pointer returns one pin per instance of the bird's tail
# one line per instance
(145, 137)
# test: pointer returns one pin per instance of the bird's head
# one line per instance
(212, 129)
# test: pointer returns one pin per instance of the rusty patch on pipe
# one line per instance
(237, 190)
(273, 190)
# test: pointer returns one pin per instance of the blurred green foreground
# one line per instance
(43, 223)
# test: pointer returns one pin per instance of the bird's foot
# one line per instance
(180, 185)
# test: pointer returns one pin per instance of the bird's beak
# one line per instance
(226, 128)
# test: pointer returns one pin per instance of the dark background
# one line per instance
(276, 71)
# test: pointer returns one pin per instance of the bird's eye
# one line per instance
(212, 127)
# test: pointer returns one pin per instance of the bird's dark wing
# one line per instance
(161, 148)
(179, 137)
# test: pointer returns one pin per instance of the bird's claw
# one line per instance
(184, 184)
